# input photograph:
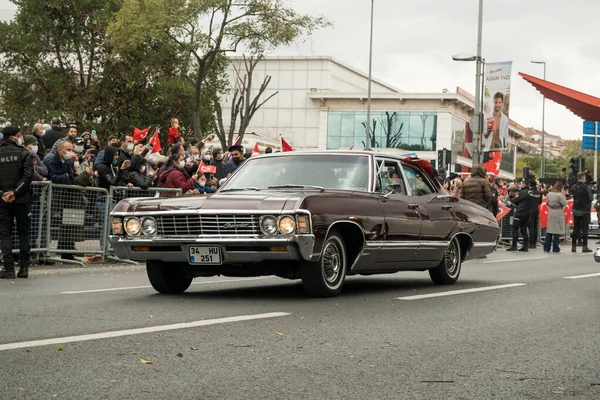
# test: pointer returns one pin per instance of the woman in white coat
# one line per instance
(556, 202)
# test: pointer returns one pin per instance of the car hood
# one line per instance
(263, 201)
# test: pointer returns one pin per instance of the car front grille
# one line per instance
(230, 226)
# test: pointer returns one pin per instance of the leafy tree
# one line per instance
(204, 30)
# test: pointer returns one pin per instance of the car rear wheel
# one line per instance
(449, 269)
(167, 278)
(325, 277)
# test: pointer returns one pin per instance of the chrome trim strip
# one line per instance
(351, 222)
(206, 211)
(485, 244)
(434, 243)
(207, 239)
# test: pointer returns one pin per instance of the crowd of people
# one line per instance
(525, 197)
(73, 159)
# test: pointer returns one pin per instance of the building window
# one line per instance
(414, 131)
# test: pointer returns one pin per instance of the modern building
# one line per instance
(322, 103)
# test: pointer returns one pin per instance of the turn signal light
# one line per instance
(141, 249)
(278, 249)
(303, 224)
(117, 226)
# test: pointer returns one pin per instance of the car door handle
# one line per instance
(413, 206)
(447, 207)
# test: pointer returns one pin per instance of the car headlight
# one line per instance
(117, 226)
(133, 226)
(287, 225)
(268, 225)
(149, 226)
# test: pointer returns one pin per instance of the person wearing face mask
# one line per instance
(237, 158)
(217, 162)
(112, 141)
(202, 186)
(60, 163)
(40, 171)
(16, 174)
(39, 132)
(174, 176)
(126, 149)
(111, 171)
(138, 175)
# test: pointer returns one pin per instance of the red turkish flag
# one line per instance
(173, 133)
(255, 151)
(569, 212)
(207, 169)
(285, 145)
(493, 166)
(140, 134)
(502, 212)
(155, 143)
(543, 210)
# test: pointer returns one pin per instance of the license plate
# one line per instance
(205, 255)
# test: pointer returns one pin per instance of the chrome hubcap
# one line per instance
(452, 259)
(332, 262)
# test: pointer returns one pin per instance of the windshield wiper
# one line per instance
(241, 189)
(290, 186)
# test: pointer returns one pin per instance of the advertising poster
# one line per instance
(496, 104)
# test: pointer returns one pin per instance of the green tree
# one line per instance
(204, 30)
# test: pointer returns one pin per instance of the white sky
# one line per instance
(415, 40)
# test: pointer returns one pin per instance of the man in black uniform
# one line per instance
(16, 173)
(582, 206)
(522, 202)
(534, 218)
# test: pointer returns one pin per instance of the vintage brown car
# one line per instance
(317, 216)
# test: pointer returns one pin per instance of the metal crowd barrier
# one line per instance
(78, 221)
(118, 193)
(39, 220)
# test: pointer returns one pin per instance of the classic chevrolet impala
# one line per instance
(316, 216)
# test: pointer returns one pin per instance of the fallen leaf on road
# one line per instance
(179, 354)
(61, 348)
(146, 361)
(21, 389)
(323, 342)
(279, 333)
(152, 316)
(194, 348)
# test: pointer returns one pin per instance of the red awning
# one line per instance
(583, 105)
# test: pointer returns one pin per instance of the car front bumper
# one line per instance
(233, 250)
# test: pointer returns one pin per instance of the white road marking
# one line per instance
(139, 331)
(515, 259)
(462, 291)
(150, 287)
(582, 276)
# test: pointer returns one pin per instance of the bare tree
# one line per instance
(243, 104)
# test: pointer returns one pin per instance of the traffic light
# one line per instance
(581, 163)
(574, 164)
(444, 158)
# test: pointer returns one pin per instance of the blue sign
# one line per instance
(589, 135)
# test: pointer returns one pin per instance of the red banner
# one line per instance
(140, 134)
(502, 212)
(155, 143)
(207, 169)
(493, 166)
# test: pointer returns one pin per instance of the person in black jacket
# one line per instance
(53, 135)
(109, 172)
(16, 174)
(217, 162)
(534, 218)
(137, 173)
(494, 200)
(522, 203)
(582, 212)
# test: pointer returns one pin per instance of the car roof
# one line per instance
(332, 152)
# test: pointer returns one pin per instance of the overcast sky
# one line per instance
(415, 40)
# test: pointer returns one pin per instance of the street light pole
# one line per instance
(368, 141)
(543, 162)
(476, 159)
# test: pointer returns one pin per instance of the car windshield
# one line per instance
(327, 171)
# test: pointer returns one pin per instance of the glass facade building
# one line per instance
(412, 131)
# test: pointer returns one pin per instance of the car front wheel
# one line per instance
(325, 278)
(168, 279)
(447, 272)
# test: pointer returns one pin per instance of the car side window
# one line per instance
(389, 178)
(419, 185)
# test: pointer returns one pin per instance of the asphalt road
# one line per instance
(530, 333)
